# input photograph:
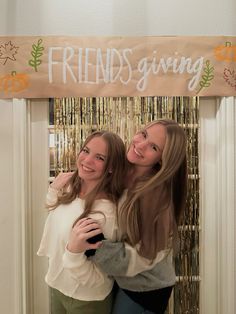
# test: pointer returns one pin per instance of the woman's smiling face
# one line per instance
(147, 146)
(91, 160)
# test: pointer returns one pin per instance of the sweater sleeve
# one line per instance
(121, 259)
(83, 269)
(51, 196)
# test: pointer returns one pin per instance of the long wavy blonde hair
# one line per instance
(112, 181)
(154, 204)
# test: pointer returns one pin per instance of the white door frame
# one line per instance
(31, 164)
(20, 192)
(218, 200)
(217, 144)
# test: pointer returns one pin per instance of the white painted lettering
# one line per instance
(88, 66)
(68, 54)
(51, 62)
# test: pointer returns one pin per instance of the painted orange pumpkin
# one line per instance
(14, 82)
(225, 53)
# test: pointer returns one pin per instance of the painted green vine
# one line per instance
(207, 77)
(36, 53)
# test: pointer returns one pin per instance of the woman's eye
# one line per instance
(154, 148)
(101, 158)
(85, 150)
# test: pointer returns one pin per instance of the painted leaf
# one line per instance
(230, 77)
(8, 52)
(36, 53)
(207, 77)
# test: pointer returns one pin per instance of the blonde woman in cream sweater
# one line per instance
(90, 194)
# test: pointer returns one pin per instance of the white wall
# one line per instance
(118, 17)
(97, 18)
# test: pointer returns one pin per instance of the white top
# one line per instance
(72, 273)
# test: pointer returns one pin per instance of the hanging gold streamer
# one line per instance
(76, 118)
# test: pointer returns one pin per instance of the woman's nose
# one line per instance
(89, 159)
(142, 144)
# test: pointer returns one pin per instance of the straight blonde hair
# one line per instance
(154, 204)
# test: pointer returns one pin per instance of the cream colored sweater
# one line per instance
(73, 274)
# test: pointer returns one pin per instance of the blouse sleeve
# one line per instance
(121, 259)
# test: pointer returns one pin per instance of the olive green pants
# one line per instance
(62, 304)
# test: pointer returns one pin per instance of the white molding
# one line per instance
(39, 183)
(30, 177)
(208, 222)
(226, 201)
(217, 192)
(29, 235)
(20, 188)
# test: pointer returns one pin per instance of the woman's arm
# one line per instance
(58, 183)
(84, 271)
(51, 197)
(75, 261)
(81, 232)
(121, 259)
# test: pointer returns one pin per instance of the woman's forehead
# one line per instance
(157, 134)
(98, 143)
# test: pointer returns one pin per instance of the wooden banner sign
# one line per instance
(53, 66)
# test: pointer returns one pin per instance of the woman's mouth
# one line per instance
(87, 169)
(137, 153)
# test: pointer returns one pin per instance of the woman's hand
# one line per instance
(84, 229)
(61, 180)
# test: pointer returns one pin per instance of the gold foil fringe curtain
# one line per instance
(75, 118)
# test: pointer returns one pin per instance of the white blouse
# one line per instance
(72, 273)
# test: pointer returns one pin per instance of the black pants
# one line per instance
(155, 301)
